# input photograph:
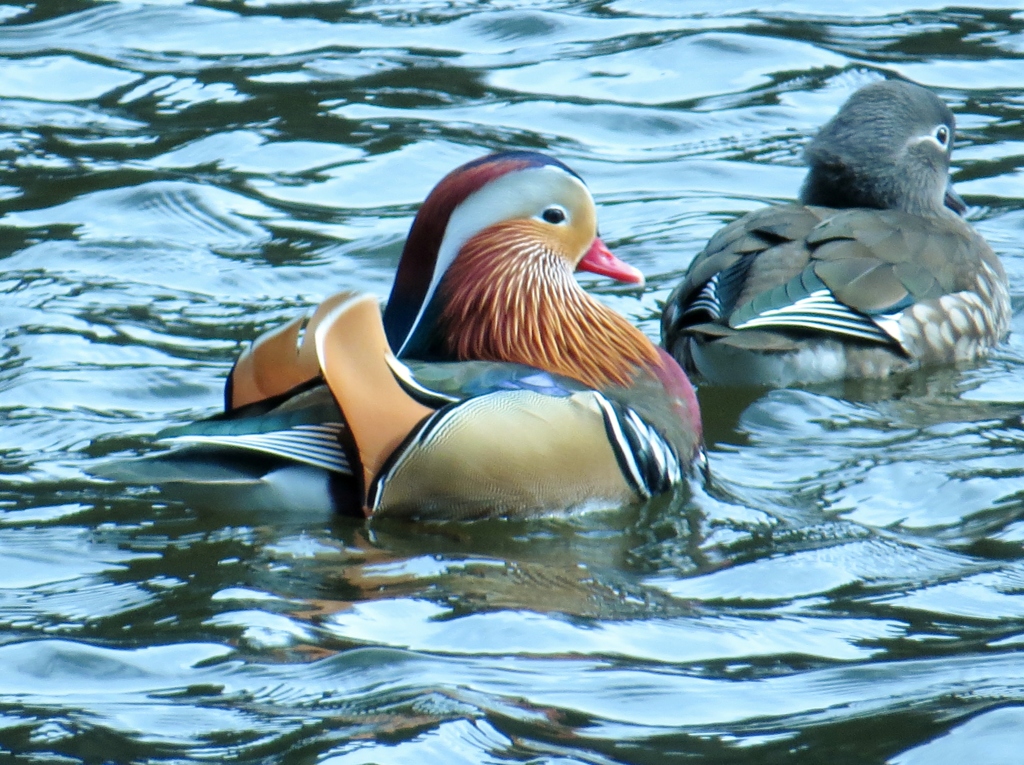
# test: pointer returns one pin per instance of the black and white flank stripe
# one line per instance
(646, 459)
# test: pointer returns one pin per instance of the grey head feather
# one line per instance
(883, 150)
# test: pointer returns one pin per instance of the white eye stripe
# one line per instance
(933, 139)
(514, 195)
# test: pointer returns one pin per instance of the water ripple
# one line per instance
(176, 178)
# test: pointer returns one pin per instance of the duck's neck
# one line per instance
(507, 298)
(848, 182)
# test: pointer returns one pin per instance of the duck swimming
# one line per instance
(568, 404)
(873, 273)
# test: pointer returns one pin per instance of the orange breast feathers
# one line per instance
(510, 296)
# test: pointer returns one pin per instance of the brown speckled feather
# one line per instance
(874, 273)
(935, 275)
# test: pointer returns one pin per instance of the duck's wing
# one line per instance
(752, 255)
(518, 448)
(853, 274)
(279, 361)
(301, 426)
(304, 425)
(933, 286)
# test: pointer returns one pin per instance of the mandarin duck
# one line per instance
(517, 393)
(874, 272)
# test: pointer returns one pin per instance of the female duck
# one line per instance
(874, 273)
(523, 394)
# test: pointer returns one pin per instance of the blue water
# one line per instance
(177, 177)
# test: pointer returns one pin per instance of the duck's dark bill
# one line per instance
(954, 201)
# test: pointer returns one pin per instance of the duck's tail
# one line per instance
(353, 352)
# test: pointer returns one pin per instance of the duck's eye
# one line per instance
(942, 135)
(553, 215)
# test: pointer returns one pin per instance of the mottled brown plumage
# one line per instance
(872, 275)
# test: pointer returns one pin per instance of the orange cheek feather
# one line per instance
(508, 297)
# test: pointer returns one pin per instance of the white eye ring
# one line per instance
(555, 214)
(942, 134)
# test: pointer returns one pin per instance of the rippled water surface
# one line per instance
(176, 177)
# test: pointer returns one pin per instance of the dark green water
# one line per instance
(177, 177)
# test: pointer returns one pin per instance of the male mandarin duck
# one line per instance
(519, 392)
(873, 273)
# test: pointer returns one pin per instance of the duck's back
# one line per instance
(797, 293)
